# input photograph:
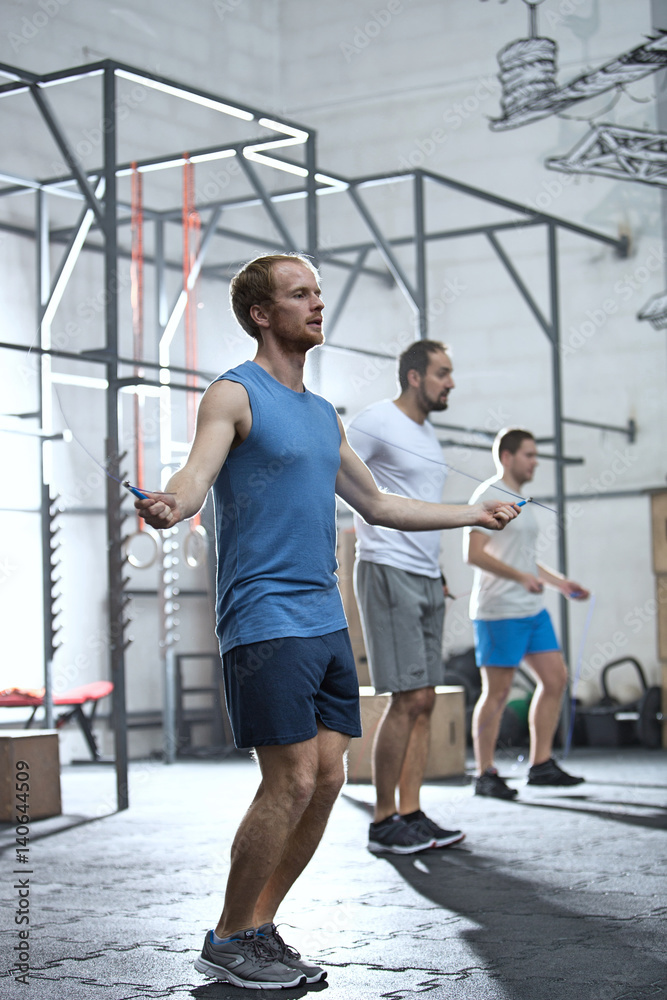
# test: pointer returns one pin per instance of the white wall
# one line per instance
(388, 86)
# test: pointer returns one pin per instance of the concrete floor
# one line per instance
(559, 895)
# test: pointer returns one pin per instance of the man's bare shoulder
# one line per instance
(226, 398)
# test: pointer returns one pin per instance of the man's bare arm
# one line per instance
(356, 486)
(559, 582)
(224, 417)
(477, 555)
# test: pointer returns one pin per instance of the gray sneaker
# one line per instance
(244, 960)
(271, 939)
(394, 836)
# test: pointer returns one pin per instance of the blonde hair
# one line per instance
(254, 284)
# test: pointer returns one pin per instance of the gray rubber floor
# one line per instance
(559, 895)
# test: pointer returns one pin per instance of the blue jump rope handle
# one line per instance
(522, 502)
(137, 493)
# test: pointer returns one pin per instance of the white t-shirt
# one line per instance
(405, 458)
(493, 597)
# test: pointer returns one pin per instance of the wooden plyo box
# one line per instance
(39, 750)
(446, 756)
(659, 530)
(661, 598)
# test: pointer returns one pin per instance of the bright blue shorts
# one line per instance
(505, 642)
(277, 690)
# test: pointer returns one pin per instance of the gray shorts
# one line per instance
(402, 615)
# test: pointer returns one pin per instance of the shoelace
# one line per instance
(261, 951)
(282, 948)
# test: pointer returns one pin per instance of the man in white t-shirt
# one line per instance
(511, 623)
(400, 591)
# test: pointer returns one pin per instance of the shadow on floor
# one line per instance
(538, 947)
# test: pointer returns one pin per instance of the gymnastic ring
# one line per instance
(134, 560)
(195, 546)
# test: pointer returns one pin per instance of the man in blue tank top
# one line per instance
(276, 455)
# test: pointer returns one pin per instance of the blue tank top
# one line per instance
(275, 517)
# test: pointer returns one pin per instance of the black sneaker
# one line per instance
(549, 773)
(394, 836)
(271, 939)
(442, 838)
(490, 783)
(244, 960)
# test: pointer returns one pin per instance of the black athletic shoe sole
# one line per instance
(567, 781)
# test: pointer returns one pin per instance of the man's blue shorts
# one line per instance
(277, 690)
(505, 642)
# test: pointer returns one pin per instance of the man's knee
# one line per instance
(552, 676)
(496, 694)
(414, 703)
(556, 681)
(291, 785)
(330, 780)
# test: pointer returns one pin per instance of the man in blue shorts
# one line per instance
(511, 624)
(276, 455)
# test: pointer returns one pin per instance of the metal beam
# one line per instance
(101, 357)
(514, 206)
(312, 237)
(559, 470)
(384, 249)
(43, 278)
(514, 274)
(630, 430)
(269, 207)
(420, 249)
(68, 153)
(116, 582)
(181, 300)
(332, 321)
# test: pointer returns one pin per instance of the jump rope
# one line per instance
(137, 492)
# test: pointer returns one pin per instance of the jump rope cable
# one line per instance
(390, 444)
(446, 465)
